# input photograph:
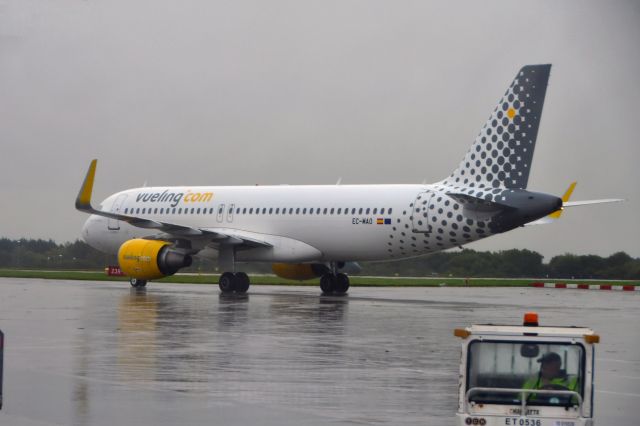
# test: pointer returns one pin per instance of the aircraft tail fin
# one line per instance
(501, 154)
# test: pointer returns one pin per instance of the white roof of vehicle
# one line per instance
(541, 331)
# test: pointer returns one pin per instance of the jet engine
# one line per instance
(150, 259)
(299, 271)
(309, 271)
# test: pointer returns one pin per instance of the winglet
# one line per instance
(83, 202)
(565, 199)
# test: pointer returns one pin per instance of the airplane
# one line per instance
(310, 231)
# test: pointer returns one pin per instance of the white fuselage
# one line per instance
(333, 223)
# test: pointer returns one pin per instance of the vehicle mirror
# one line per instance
(529, 350)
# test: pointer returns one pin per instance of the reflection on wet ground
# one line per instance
(88, 353)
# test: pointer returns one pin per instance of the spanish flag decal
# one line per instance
(383, 221)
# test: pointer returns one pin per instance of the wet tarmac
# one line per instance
(95, 353)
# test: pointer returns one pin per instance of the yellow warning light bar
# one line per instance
(461, 333)
(592, 338)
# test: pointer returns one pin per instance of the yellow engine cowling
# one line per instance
(299, 271)
(150, 259)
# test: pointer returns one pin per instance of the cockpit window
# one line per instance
(524, 368)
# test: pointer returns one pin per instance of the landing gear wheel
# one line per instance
(136, 283)
(242, 282)
(327, 283)
(227, 282)
(341, 283)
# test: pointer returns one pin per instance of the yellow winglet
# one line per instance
(83, 202)
(565, 198)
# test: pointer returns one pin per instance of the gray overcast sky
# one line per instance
(243, 92)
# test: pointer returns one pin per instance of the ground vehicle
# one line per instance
(505, 375)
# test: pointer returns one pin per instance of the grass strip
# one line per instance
(356, 281)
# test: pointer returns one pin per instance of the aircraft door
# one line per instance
(220, 213)
(230, 213)
(113, 224)
(420, 214)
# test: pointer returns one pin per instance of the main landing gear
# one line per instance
(136, 283)
(234, 282)
(332, 283)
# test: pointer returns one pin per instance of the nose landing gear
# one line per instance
(136, 283)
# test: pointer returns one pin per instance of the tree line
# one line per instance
(47, 254)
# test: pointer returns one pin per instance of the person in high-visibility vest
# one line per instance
(551, 377)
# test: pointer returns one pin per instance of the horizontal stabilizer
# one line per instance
(587, 202)
(566, 203)
(477, 203)
(477, 208)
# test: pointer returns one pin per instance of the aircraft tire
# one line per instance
(341, 285)
(136, 283)
(242, 282)
(227, 282)
(327, 283)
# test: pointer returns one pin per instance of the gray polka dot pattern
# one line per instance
(501, 155)
(495, 168)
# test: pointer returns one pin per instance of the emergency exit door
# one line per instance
(113, 224)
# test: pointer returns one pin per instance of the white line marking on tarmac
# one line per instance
(637, 395)
(619, 360)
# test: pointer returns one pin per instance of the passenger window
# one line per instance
(291, 210)
(211, 210)
(264, 210)
(304, 211)
(173, 210)
(155, 211)
(339, 211)
(390, 210)
(244, 210)
(220, 210)
(144, 209)
(278, 210)
(298, 210)
(162, 210)
(360, 211)
(331, 210)
(375, 211)
(271, 210)
(324, 211)
(353, 210)
(192, 210)
(258, 210)
(180, 210)
(198, 211)
(382, 210)
(251, 210)
(368, 210)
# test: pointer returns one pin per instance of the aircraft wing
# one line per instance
(167, 230)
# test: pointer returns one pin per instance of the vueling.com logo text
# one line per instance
(174, 197)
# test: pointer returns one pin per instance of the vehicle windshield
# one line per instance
(529, 366)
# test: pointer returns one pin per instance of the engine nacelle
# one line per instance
(150, 259)
(299, 271)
